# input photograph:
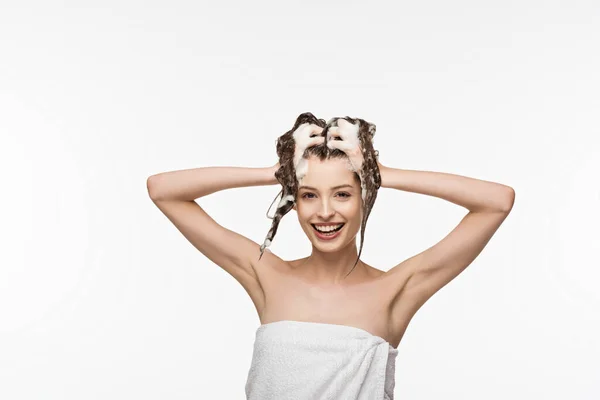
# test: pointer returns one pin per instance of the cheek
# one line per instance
(304, 213)
(350, 210)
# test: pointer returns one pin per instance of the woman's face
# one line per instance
(329, 193)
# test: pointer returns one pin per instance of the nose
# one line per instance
(326, 210)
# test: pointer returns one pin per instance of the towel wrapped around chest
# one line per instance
(311, 360)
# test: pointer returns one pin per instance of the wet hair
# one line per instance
(293, 167)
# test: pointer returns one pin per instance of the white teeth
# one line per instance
(327, 228)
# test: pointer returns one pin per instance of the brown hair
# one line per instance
(368, 176)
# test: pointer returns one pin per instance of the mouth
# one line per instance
(328, 233)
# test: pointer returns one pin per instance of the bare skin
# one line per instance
(363, 301)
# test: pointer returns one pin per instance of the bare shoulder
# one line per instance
(374, 272)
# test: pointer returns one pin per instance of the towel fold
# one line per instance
(312, 360)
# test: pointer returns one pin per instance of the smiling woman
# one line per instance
(330, 323)
(330, 176)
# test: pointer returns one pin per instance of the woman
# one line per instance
(330, 323)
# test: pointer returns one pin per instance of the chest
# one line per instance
(362, 306)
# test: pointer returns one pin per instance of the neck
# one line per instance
(333, 267)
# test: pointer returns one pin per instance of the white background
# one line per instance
(102, 298)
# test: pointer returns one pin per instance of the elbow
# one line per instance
(151, 186)
(509, 199)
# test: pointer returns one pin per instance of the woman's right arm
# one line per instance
(191, 184)
(174, 193)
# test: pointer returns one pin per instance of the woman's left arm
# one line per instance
(418, 278)
(473, 194)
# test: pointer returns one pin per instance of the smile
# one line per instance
(327, 232)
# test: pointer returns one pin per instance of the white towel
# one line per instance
(295, 360)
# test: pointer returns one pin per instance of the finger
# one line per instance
(333, 144)
(334, 131)
(317, 129)
(303, 131)
(339, 144)
(347, 130)
(316, 141)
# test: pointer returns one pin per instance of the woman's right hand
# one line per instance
(272, 171)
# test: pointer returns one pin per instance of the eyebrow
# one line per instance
(333, 188)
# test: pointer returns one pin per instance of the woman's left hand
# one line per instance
(345, 137)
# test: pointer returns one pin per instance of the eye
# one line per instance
(344, 194)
